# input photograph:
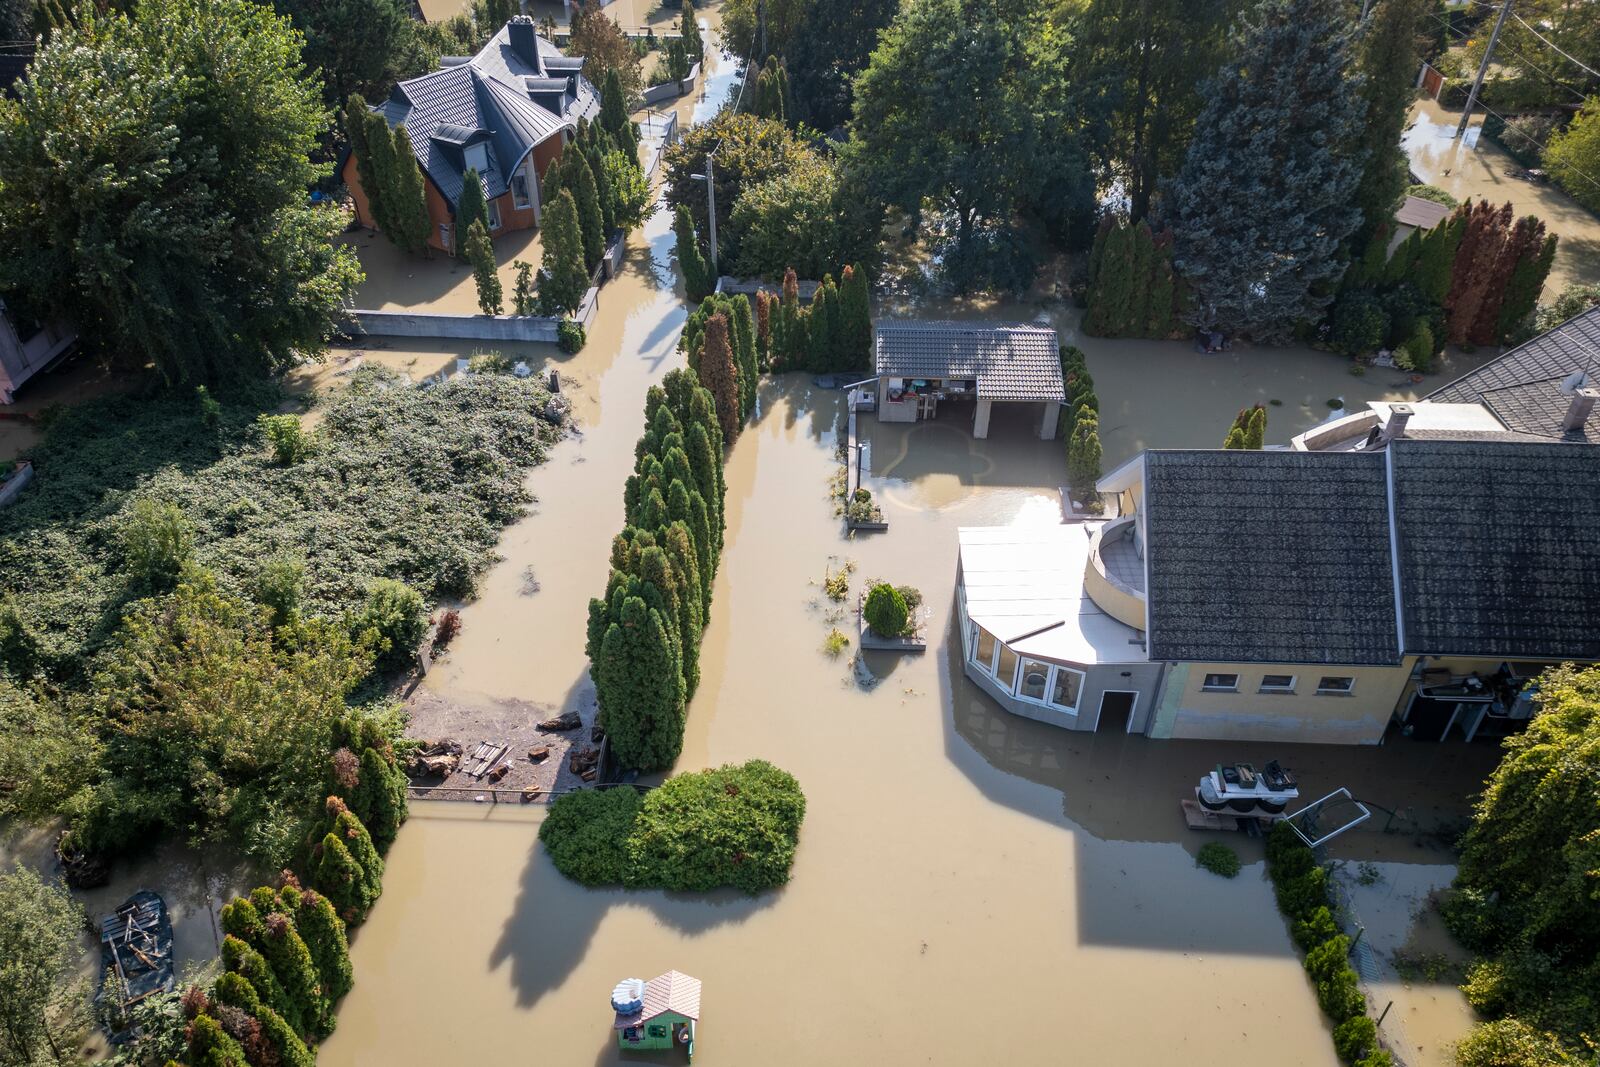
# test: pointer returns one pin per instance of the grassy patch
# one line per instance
(733, 826)
(399, 483)
(1218, 859)
(835, 643)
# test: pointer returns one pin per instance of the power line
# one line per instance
(1542, 147)
(1575, 62)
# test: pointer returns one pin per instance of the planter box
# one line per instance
(917, 642)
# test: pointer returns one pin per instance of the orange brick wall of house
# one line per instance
(358, 195)
(439, 214)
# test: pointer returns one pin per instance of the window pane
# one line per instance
(1221, 681)
(1007, 674)
(1065, 687)
(1336, 685)
(983, 655)
(1277, 681)
(1035, 675)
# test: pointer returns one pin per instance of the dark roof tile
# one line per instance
(1007, 362)
(1499, 548)
(1271, 557)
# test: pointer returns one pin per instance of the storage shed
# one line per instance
(967, 367)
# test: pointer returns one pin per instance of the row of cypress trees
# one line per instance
(1133, 291)
(833, 334)
(286, 952)
(1081, 423)
(644, 634)
(390, 177)
(1249, 429)
(734, 370)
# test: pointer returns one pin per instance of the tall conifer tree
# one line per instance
(1265, 202)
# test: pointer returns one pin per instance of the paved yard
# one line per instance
(436, 282)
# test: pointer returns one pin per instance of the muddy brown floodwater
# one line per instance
(1486, 172)
(970, 887)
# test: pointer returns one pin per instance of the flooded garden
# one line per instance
(960, 868)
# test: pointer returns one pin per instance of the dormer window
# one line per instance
(478, 157)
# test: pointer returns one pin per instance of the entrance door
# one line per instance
(1116, 711)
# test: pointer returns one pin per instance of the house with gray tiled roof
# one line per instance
(1543, 390)
(1408, 579)
(960, 370)
(506, 113)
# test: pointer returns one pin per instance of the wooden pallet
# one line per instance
(483, 758)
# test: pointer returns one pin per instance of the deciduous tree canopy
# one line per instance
(155, 194)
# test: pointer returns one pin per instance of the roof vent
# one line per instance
(1574, 381)
(1579, 410)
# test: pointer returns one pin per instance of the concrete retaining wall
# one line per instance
(671, 90)
(463, 327)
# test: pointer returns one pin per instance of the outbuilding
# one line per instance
(929, 369)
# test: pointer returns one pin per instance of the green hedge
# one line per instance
(1302, 891)
(733, 826)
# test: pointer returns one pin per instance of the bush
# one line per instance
(1511, 1043)
(1353, 1038)
(570, 336)
(449, 627)
(886, 611)
(1299, 897)
(1326, 960)
(1218, 859)
(157, 540)
(587, 833)
(1315, 929)
(290, 443)
(1359, 323)
(1420, 349)
(734, 826)
(1432, 192)
(1340, 995)
(395, 613)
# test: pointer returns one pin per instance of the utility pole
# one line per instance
(711, 211)
(1483, 68)
(710, 178)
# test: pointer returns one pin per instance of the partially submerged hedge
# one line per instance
(1302, 890)
(733, 826)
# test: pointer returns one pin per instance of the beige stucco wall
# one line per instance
(1301, 716)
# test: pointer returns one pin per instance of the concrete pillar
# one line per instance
(1052, 415)
(980, 420)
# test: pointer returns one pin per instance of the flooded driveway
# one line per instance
(1485, 172)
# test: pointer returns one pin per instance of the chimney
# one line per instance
(1399, 415)
(524, 40)
(1582, 405)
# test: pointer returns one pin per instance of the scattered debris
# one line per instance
(567, 720)
(484, 757)
(530, 795)
(540, 754)
(435, 759)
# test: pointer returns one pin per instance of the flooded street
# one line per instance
(1484, 172)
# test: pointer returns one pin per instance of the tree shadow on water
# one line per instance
(554, 920)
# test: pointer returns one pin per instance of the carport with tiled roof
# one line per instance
(923, 364)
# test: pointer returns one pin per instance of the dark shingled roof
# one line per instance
(1499, 548)
(1523, 387)
(1273, 557)
(488, 93)
(1007, 362)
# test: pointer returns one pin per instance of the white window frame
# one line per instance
(1289, 688)
(525, 201)
(494, 215)
(1050, 675)
(1206, 685)
(1346, 690)
(994, 653)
